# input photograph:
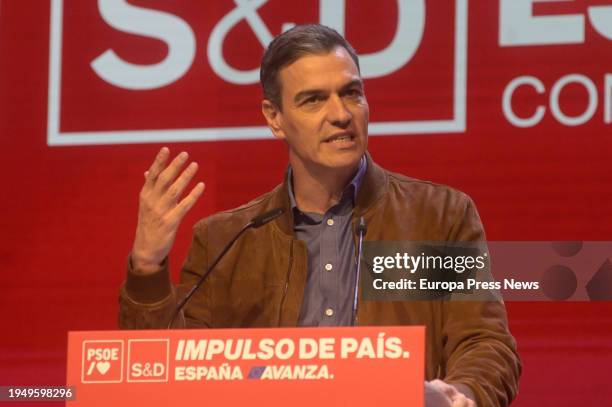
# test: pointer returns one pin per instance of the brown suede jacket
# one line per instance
(261, 280)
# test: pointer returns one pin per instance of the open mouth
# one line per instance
(340, 138)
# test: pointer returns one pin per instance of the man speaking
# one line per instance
(299, 269)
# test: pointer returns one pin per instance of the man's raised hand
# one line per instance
(160, 211)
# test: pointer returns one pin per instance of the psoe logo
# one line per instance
(148, 360)
(102, 361)
(126, 73)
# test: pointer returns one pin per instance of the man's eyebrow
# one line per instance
(316, 92)
(353, 83)
(307, 93)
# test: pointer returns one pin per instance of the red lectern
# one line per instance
(356, 366)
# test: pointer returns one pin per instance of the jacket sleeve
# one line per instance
(479, 351)
(148, 301)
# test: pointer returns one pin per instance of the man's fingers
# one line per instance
(176, 189)
(462, 401)
(165, 178)
(187, 203)
(157, 166)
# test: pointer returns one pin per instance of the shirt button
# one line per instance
(329, 267)
(329, 312)
(330, 222)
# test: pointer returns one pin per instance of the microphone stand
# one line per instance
(253, 223)
(361, 229)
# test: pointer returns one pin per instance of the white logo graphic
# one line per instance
(148, 360)
(102, 361)
(407, 38)
(175, 32)
(518, 27)
(180, 40)
(103, 367)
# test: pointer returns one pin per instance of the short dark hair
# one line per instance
(288, 47)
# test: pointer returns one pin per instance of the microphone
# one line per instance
(254, 223)
(362, 229)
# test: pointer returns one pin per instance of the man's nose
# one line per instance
(338, 113)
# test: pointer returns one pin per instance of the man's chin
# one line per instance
(342, 162)
(324, 162)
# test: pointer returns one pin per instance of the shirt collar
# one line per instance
(354, 184)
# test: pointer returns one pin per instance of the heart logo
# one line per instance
(103, 367)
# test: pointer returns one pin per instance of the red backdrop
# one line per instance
(72, 161)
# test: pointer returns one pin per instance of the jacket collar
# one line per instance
(373, 186)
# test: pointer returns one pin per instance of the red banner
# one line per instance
(273, 367)
(508, 100)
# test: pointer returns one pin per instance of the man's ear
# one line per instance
(274, 117)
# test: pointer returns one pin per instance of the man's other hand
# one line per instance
(160, 211)
(440, 394)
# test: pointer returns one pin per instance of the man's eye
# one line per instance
(353, 92)
(312, 99)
